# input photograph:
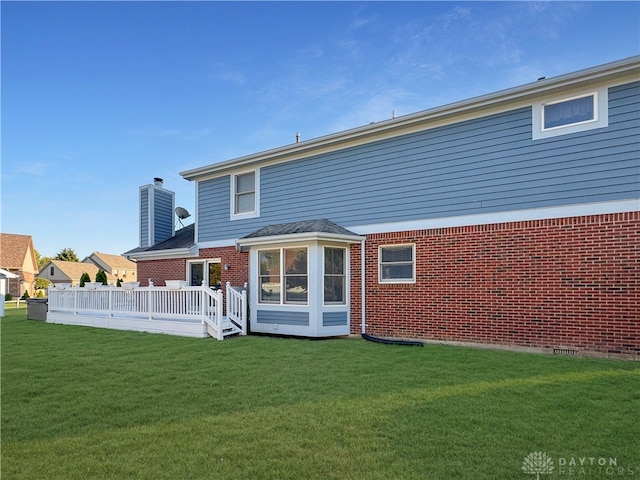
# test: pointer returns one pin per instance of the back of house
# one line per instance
(506, 219)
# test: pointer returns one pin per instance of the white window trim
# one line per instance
(282, 302)
(205, 265)
(601, 115)
(345, 274)
(232, 203)
(396, 280)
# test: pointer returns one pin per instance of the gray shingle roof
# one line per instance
(183, 238)
(308, 226)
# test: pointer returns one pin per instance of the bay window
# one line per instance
(283, 276)
(334, 276)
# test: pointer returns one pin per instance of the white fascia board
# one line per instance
(227, 242)
(610, 74)
(7, 274)
(620, 206)
(243, 244)
(165, 254)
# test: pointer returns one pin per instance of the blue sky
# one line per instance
(100, 97)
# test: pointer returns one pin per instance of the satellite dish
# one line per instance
(182, 213)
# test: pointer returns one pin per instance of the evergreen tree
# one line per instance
(67, 255)
(101, 277)
(84, 278)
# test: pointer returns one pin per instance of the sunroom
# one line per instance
(299, 277)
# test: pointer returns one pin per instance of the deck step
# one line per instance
(228, 328)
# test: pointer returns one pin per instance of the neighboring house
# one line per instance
(116, 266)
(60, 271)
(509, 219)
(18, 256)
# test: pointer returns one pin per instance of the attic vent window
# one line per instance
(562, 116)
(569, 112)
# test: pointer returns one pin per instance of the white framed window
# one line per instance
(283, 276)
(577, 113)
(335, 276)
(209, 271)
(245, 195)
(397, 263)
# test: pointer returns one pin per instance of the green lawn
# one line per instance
(82, 403)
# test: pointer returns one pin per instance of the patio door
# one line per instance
(210, 271)
(215, 275)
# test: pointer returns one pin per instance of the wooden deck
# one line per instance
(184, 311)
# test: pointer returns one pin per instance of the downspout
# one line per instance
(388, 341)
(362, 288)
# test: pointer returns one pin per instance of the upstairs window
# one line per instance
(397, 264)
(561, 116)
(244, 195)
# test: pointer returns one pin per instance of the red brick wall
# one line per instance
(569, 282)
(238, 272)
(176, 269)
(161, 270)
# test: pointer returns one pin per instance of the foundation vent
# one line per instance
(564, 351)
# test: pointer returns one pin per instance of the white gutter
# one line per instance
(7, 274)
(243, 244)
(187, 252)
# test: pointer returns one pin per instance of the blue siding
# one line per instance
(332, 319)
(485, 165)
(283, 318)
(144, 218)
(162, 215)
(214, 207)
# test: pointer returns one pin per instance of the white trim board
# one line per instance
(546, 213)
(620, 206)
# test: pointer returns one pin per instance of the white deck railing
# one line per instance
(186, 304)
(237, 306)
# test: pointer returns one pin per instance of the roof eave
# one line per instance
(244, 244)
(186, 252)
(622, 68)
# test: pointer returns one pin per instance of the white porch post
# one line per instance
(150, 299)
(243, 307)
(219, 322)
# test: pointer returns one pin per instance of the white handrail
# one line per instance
(237, 306)
(186, 303)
